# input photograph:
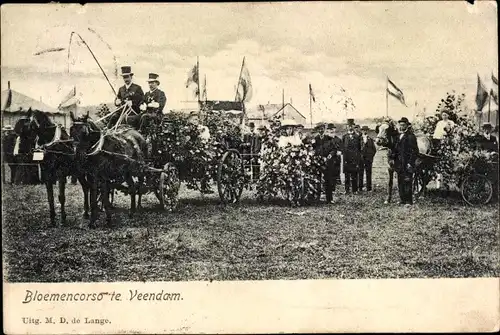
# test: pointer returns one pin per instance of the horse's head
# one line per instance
(82, 130)
(383, 134)
(23, 127)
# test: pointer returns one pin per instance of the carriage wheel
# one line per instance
(168, 189)
(230, 175)
(476, 190)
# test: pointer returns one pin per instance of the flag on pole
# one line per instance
(244, 90)
(311, 93)
(494, 79)
(70, 99)
(204, 94)
(481, 95)
(493, 92)
(393, 90)
(193, 78)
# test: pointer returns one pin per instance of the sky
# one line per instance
(426, 48)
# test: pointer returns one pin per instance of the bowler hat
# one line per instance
(404, 119)
(487, 125)
(350, 122)
(127, 71)
(251, 125)
(365, 128)
(331, 126)
(153, 77)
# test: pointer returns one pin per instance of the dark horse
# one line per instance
(84, 133)
(112, 157)
(58, 158)
(387, 138)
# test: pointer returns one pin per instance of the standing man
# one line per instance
(405, 154)
(153, 104)
(129, 94)
(351, 149)
(252, 143)
(368, 151)
(321, 145)
(333, 161)
(337, 143)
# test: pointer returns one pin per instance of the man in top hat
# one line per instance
(404, 155)
(130, 94)
(487, 141)
(351, 150)
(368, 151)
(153, 104)
(252, 143)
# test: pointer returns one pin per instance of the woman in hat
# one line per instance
(290, 137)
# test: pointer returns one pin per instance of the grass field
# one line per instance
(359, 237)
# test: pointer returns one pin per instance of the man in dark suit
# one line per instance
(336, 154)
(351, 150)
(252, 143)
(368, 151)
(487, 141)
(321, 145)
(153, 104)
(129, 94)
(405, 154)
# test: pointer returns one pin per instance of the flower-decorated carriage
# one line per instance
(459, 158)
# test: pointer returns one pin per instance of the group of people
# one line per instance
(355, 148)
(146, 106)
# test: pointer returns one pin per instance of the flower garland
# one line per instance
(289, 172)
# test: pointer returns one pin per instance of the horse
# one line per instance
(387, 138)
(112, 157)
(58, 158)
(84, 133)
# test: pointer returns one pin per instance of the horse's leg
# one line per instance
(94, 210)
(139, 198)
(132, 191)
(390, 185)
(49, 184)
(85, 188)
(105, 201)
(62, 199)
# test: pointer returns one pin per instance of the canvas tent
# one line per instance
(261, 114)
(15, 104)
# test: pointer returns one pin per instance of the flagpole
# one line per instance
(310, 106)
(239, 78)
(283, 103)
(198, 78)
(387, 97)
(489, 107)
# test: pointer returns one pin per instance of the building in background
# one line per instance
(15, 105)
(262, 114)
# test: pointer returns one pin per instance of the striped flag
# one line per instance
(311, 93)
(481, 94)
(494, 79)
(393, 90)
